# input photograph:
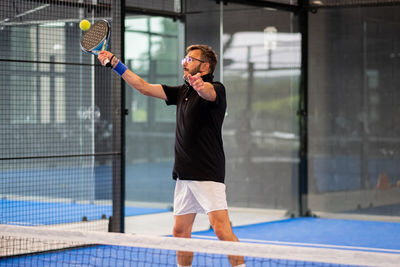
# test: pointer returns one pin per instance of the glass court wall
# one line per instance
(354, 127)
(261, 71)
(261, 68)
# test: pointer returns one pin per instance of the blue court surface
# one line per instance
(381, 237)
(348, 234)
(46, 213)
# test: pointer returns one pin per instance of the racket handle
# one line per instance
(107, 63)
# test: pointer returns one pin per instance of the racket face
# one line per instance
(95, 39)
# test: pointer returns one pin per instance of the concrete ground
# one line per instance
(161, 223)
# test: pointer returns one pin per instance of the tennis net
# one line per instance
(35, 246)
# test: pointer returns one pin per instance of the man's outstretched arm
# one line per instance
(135, 81)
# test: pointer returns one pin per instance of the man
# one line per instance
(199, 156)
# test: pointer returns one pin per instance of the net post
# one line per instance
(302, 17)
(116, 223)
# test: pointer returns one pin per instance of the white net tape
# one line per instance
(55, 239)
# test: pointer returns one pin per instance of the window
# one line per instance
(153, 49)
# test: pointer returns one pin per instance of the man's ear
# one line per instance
(205, 67)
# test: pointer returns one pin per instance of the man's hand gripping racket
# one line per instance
(95, 39)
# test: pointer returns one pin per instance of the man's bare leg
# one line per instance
(221, 224)
(183, 228)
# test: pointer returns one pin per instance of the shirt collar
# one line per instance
(208, 77)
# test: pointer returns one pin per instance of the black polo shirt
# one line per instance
(199, 153)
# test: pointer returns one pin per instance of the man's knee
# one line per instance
(178, 232)
(183, 225)
(223, 231)
(181, 231)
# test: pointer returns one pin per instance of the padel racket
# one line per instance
(95, 39)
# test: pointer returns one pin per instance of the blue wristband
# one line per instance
(120, 68)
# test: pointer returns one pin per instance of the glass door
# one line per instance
(261, 71)
(153, 49)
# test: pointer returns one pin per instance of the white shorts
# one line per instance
(199, 197)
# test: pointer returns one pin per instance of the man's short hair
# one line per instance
(207, 53)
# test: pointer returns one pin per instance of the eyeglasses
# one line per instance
(190, 59)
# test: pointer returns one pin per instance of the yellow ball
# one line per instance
(84, 25)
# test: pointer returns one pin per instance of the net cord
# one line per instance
(325, 255)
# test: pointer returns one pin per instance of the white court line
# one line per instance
(306, 244)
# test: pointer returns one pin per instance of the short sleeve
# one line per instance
(220, 92)
(172, 94)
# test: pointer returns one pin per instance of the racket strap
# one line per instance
(120, 68)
